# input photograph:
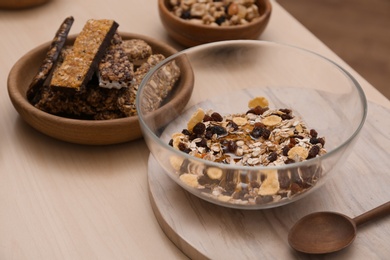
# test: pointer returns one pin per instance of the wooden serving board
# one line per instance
(206, 231)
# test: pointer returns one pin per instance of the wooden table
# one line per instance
(66, 201)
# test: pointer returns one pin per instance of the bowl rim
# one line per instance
(262, 18)
(22, 105)
(354, 82)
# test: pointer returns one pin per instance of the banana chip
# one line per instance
(240, 120)
(214, 173)
(258, 101)
(195, 118)
(271, 120)
(298, 152)
(189, 179)
(270, 186)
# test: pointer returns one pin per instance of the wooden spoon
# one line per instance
(326, 232)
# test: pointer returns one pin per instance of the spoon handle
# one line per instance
(377, 212)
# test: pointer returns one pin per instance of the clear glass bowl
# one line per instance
(227, 75)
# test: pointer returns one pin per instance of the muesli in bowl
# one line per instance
(266, 124)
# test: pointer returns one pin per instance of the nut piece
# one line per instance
(258, 101)
(195, 118)
(298, 153)
(271, 120)
(214, 173)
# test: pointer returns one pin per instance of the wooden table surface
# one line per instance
(67, 201)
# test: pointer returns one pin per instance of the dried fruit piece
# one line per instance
(176, 162)
(270, 185)
(189, 179)
(195, 118)
(240, 120)
(214, 173)
(298, 153)
(176, 140)
(271, 120)
(258, 101)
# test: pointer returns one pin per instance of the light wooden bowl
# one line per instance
(190, 34)
(91, 132)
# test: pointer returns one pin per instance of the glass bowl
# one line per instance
(227, 76)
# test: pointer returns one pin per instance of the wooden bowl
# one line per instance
(20, 4)
(91, 132)
(190, 34)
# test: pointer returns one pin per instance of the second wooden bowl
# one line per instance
(191, 34)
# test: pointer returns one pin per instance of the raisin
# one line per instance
(257, 110)
(216, 117)
(202, 143)
(286, 117)
(292, 143)
(199, 128)
(258, 124)
(232, 146)
(220, 19)
(219, 130)
(285, 110)
(272, 157)
(314, 150)
(254, 184)
(186, 15)
(285, 150)
(183, 147)
(315, 140)
(186, 132)
(289, 161)
(208, 135)
(313, 133)
(233, 125)
(207, 118)
(258, 132)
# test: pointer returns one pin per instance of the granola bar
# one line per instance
(157, 89)
(34, 90)
(115, 69)
(89, 47)
(137, 50)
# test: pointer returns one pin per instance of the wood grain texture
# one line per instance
(205, 230)
(65, 201)
(357, 30)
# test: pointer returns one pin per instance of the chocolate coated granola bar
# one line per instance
(88, 49)
(50, 60)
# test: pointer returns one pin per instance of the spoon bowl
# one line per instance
(327, 232)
